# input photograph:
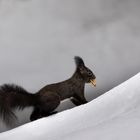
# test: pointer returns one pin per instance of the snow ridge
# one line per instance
(116, 104)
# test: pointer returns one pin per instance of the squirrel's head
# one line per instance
(86, 74)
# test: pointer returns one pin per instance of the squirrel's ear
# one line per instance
(79, 61)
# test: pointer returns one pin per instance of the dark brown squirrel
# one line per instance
(47, 99)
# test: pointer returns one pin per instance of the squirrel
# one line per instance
(47, 99)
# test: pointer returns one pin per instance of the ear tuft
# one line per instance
(79, 61)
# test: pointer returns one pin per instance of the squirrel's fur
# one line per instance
(46, 100)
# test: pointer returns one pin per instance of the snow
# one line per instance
(114, 115)
(39, 38)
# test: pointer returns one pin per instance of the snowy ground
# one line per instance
(112, 116)
(39, 38)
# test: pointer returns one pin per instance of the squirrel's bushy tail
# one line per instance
(7, 115)
(12, 97)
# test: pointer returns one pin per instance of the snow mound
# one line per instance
(114, 115)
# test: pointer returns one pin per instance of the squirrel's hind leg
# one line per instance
(48, 103)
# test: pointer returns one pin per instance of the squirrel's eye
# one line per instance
(89, 73)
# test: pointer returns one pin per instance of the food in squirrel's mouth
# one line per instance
(93, 82)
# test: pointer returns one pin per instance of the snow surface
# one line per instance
(112, 116)
(39, 38)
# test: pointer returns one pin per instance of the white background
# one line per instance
(39, 38)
